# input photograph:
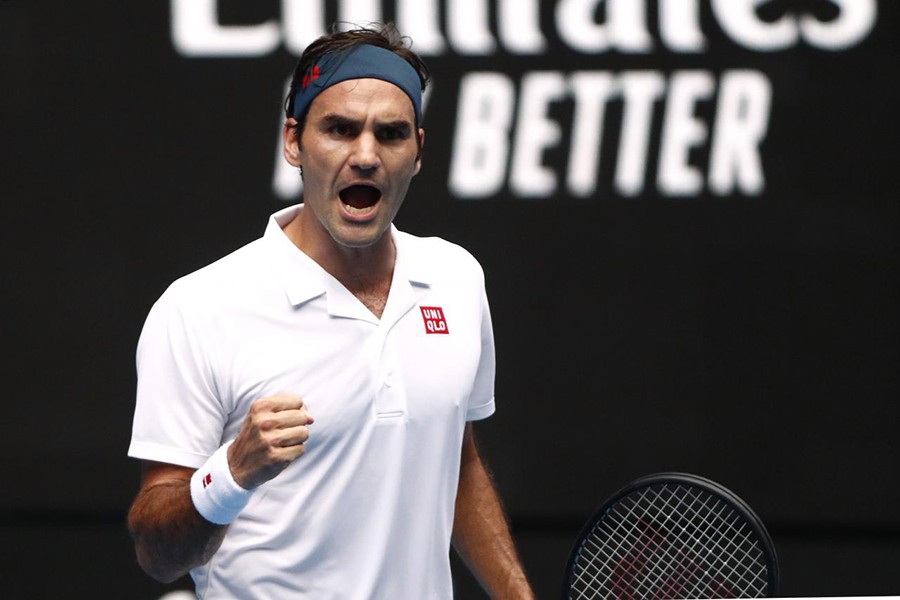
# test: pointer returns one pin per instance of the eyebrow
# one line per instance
(339, 119)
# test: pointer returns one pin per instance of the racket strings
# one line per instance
(669, 584)
(689, 562)
(718, 522)
(673, 569)
(670, 542)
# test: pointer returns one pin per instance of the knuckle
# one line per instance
(266, 423)
(260, 406)
(273, 456)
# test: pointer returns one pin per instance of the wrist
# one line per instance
(215, 494)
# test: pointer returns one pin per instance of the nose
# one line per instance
(365, 152)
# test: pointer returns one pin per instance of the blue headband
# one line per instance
(360, 62)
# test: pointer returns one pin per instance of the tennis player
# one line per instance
(304, 404)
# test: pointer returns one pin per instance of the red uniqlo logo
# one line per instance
(434, 319)
(207, 480)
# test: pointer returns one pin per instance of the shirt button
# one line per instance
(389, 380)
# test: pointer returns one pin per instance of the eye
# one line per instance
(391, 134)
(341, 129)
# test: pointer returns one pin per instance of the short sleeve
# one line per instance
(481, 403)
(178, 417)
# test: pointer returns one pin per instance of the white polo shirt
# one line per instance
(367, 512)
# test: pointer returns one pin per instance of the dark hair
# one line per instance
(384, 36)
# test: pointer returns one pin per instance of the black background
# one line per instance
(752, 340)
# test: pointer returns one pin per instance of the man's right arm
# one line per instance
(170, 536)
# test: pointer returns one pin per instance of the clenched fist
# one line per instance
(272, 437)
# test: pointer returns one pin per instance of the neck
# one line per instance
(363, 269)
(367, 274)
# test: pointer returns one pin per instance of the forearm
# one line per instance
(169, 534)
(481, 534)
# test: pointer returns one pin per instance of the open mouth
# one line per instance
(359, 198)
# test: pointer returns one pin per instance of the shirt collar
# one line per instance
(412, 265)
(303, 279)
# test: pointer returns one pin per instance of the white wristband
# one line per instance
(216, 495)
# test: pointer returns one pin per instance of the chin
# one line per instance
(358, 239)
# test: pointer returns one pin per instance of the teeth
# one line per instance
(354, 210)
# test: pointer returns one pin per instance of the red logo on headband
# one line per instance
(310, 77)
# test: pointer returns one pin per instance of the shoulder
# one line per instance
(226, 280)
(438, 257)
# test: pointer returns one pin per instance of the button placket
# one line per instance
(390, 400)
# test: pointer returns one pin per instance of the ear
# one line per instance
(291, 137)
(419, 154)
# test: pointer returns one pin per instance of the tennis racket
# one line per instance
(672, 535)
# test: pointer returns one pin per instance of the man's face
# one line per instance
(358, 151)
